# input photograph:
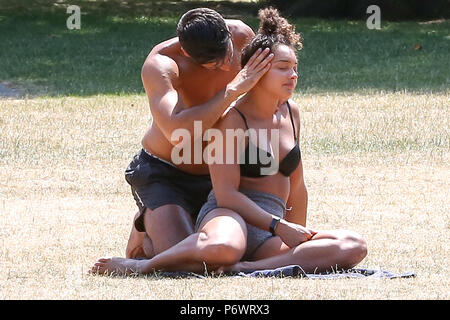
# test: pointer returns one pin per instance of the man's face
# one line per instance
(223, 64)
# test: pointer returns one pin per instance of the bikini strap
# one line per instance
(292, 120)
(245, 120)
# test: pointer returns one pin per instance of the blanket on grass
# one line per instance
(296, 271)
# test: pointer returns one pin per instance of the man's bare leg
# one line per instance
(139, 244)
(148, 247)
(166, 226)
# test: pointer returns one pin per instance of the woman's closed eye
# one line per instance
(287, 67)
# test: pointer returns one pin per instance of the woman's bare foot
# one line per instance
(116, 266)
(238, 267)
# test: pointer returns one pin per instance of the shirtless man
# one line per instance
(193, 77)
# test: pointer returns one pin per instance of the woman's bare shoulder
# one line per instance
(295, 110)
(231, 119)
(296, 115)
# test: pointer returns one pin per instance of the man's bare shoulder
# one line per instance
(159, 61)
(158, 64)
(159, 73)
(241, 31)
(239, 26)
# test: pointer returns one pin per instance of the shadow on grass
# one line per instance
(105, 56)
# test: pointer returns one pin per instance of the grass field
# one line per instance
(374, 138)
(105, 56)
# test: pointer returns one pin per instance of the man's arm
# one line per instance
(168, 109)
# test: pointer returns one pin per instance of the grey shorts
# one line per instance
(255, 236)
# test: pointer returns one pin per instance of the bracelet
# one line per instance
(273, 224)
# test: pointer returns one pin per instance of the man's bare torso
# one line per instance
(195, 85)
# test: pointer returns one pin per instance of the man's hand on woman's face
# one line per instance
(255, 68)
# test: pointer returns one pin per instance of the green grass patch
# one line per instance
(105, 56)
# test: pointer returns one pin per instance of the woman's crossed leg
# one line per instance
(325, 251)
(220, 241)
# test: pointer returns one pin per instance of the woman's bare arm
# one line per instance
(298, 195)
(226, 177)
(298, 198)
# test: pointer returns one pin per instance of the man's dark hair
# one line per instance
(204, 35)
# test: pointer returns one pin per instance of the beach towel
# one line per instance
(296, 271)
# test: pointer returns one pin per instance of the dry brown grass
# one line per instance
(375, 163)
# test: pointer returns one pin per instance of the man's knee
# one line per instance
(166, 226)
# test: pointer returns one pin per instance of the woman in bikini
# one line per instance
(269, 231)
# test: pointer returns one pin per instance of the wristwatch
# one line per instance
(273, 224)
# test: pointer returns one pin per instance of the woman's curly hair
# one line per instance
(273, 30)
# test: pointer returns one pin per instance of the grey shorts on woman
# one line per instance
(255, 236)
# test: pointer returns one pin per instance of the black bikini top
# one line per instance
(286, 166)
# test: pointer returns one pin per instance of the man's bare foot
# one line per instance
(116, 266)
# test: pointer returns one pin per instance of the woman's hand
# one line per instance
(293, 234)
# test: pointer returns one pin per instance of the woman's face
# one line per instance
(281, 79)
